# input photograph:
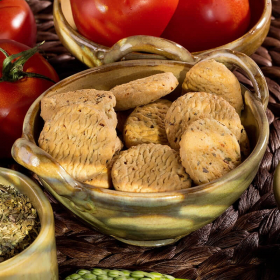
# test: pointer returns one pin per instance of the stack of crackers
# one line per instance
(132, 138)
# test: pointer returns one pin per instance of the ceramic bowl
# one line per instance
(38, 261)
(276, 185)
(93, 54)
(148, 219)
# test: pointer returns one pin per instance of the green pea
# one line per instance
(83, 271)
(137, 274)
(114, 273)
(75, 276)
(89, 276)
(102, 277)
(126, 272)
(120, 278)
(155, 275)
(97, 271)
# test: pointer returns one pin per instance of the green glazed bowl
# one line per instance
(276, 185)
(93, 54)
(38, 261)
(148, 219)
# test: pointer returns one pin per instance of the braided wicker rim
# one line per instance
(243, 243)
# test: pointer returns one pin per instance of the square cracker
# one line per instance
(103, 100)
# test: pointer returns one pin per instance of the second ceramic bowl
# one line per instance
(38, 261)
(93, 54)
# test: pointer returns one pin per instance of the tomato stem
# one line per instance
(13, 71)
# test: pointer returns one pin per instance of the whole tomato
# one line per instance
(107, 21)
(204, 24)
(17, 22)
(18, 91)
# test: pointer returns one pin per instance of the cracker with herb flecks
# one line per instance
(214, 77)
(149, 168)
(102, 100)
(146, 124)
(208, 150)
(143, 91)
(197, 105)
(83, 141)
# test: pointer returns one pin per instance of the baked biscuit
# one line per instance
(146, 124)
(83, 142)
(214, 77)
(149, 168)
(143, 91)
(208, 150)
(103, 100)
(197, 105)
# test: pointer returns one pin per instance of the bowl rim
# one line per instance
(260, 145)
(264, 18)
(46, 218)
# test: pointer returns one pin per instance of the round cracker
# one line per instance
(208, 150)
(143, 91)
(149, 168)
(197, 105)
(146, 124)
(214, 77)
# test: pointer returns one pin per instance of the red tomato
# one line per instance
(16, 97)
(17, 22)
(204, 24)
(107, 21)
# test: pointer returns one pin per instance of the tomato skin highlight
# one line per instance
(17, 97)
(17, 22)
(107, 21)
(200, 25)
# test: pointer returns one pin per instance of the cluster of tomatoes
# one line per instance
(24, 73)
(195, 24)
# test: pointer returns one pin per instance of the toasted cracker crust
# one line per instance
(83, 141)
(146, 124)
(102, 100)
(208, 150)
(214, 77)
(149, 168)
(143, 91)
(196, 105)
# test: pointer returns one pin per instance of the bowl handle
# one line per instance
(247, 64)
(41, 163)
(93, 54)
(163, 48)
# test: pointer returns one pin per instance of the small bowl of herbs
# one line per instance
(27, 239)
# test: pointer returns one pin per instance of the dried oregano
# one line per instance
(19, 222)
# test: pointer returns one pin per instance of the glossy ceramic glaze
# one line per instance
(38, 261)
(276, 185)
(93, 54)
(147, 219)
